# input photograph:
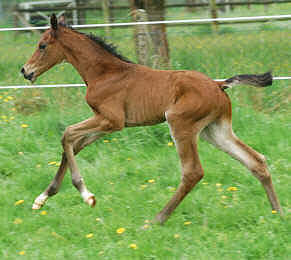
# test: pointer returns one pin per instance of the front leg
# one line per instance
(55, 185)
(72, 139)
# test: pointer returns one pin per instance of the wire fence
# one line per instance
(84, 85)
(174, 22)
(190, 49)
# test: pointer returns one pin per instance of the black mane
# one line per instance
(111, 48)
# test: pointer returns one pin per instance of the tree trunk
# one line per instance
(150, 41)
(141, 37)
(156, 12)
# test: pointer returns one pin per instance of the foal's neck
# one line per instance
(90, 59)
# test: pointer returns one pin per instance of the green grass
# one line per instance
(223, 224)
(237, 226)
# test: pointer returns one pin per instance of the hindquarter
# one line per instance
(198, 99)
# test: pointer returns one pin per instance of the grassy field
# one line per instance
(135, 172)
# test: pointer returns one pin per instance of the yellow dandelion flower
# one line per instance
(129, 159)
(21, 253)
(58, 163)
(232, 188)
(143, 186)
(12, 118)
(1, 97)
(120, 230)
(176, 236)
(6, 100)
(133, 246)
(220, 190)
(10, 98)
(52, 163)
(20, 153)
(151, 181)
(224, 197)
(170, 143)
(274, 211)
(218, 184)
(24, 125)
(186, 223)
(43, 213)
(204, 183)
(146, 226)
(147, 221)
(105, 141)
(89, 235)
(17, 221)
(18, 202)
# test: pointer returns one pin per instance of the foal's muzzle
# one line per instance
(27, 76)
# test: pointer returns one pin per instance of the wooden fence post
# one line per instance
(81, 14)
(106, 15)
(190, 8)
(213, 11)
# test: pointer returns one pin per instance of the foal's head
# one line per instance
(49, 52)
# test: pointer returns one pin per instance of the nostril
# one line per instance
(30, 76)
(22, 70)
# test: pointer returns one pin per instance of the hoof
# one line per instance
(39, 201)
(89, 198)
(91, 201)
(160, 219)
(36, 206)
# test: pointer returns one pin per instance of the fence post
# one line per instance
(81, 14)
(106, 14)
(190, 8)
(213, 11)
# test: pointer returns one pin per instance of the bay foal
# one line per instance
(122, 94)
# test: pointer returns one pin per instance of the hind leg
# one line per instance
(220, 134)
(185, 137)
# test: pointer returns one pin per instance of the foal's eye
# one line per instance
(42, 46)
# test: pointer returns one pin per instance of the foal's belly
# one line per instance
(142, 114)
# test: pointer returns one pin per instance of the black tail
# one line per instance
(261, 80)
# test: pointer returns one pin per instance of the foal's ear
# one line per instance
(54, 22)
